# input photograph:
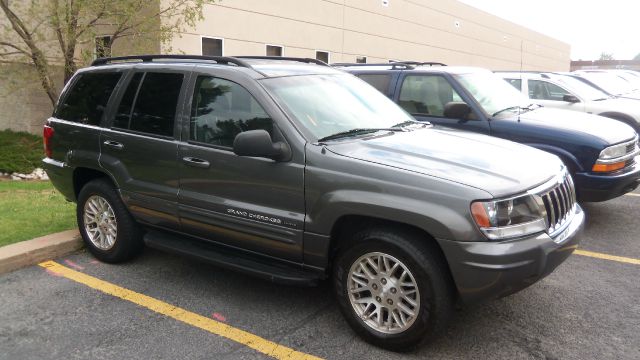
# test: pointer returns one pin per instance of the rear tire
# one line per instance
(108, 230)
(379, 307)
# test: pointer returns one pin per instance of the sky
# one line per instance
(589, 26)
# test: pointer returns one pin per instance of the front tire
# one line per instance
(394, 288)
(107, 228)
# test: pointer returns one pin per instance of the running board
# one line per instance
(255, 265)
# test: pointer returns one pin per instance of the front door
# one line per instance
(139, 148)
(425, 95)
(551, 95)
(255, 204)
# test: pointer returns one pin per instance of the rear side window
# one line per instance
(222, 109)
(427, 95)
(149, 104)
(87, 100)
(378, 81)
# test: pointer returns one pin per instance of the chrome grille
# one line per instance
(559, 203)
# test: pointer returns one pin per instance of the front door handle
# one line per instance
(195, 162)
(114, 144)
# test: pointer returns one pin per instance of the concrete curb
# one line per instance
(31, 252)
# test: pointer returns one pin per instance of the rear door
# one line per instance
(139, 147)
(251, 203)
(425, 95)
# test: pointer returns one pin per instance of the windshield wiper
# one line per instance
(358, 131)
(510, 108)
(411, 122)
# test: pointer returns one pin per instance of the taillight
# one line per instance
(47, 134)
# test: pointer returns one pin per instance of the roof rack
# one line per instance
(419, 63)
(285, 58)
(150, 58)
(393, 65)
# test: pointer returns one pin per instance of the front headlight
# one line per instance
(615, 157)
(510, 218)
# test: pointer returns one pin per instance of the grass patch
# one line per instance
(29, 209)
(21, 151)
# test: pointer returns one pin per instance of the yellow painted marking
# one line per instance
(596, 255)
(255, 342)
(632, 194)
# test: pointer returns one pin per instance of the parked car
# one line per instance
(609, 83)
(567, 93)
(599, 152)
(297, 172)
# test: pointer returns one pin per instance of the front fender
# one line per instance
(568, 158)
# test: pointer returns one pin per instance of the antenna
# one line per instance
(521, 62)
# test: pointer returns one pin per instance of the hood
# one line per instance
(607, 130)
(497, 166)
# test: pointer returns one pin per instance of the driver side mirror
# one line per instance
(570, 98)
(457, 110)
(257, 143)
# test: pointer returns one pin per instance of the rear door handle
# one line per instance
(195, 162)
(114, 144)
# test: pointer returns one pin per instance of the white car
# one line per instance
(617, 82)
(566, 92)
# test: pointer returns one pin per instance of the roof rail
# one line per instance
(393, 65)
(419, 63)
(304, 60)
(150, 58)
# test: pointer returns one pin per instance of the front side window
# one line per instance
(543, 90)
(88, 98)
(427, 95)
(222, 109)
(329, 104)
(150, 107)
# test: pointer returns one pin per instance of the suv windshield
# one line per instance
(610, 83)
(332, 104)
(580, 88)
(492, 92)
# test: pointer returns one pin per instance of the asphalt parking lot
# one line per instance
(165, 306)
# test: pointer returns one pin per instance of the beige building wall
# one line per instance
(423, 30)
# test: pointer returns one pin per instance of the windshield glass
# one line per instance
(492, 92)
(610, 83)
(330, 104)
(580, 88)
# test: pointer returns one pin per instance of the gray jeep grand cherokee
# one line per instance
(293, 171)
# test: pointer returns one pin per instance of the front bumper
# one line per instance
(592, 187)
(489, 270)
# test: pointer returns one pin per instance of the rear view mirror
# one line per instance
(457, 110)
(257, 143)
(570, 98)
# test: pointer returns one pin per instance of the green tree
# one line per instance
(49, 33)
(606, 56)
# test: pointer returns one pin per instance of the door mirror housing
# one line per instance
(457, 110)
(570, 98)
(258, 143)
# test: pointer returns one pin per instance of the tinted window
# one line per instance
(88, 98)
(273, 50)
(380, 82)
(322, 56)
(221, 110)
(426, 95)
(123, 115)
(517, 83)
(542, 90)
(155, 106)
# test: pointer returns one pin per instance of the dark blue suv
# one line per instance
(599, 152)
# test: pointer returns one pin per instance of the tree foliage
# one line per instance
(54, 33)
(606, 56)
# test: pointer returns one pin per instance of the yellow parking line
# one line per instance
(255, 342)
(621, 259)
